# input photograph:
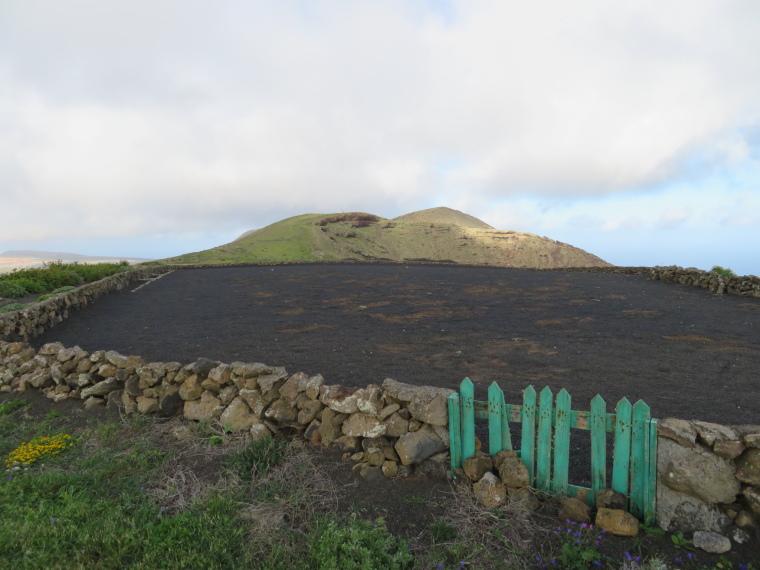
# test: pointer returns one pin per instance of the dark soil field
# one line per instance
(684, 351)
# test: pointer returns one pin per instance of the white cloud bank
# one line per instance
(126, 119)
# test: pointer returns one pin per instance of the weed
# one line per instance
(679, 541)
(580, 546)
(415, 500)
(256, 458)
(10, 406)
(441, 531)
(356, 544)
(53, 415)
(723, 271)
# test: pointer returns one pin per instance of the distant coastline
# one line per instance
(24, 258)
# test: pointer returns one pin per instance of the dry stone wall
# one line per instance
(390, 430)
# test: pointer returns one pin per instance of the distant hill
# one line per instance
(437, 234)
(21, 258)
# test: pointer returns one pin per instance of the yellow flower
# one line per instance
(29, 452)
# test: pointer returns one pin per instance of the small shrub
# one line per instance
(11, 406)
(31, 286)
(12, 290)
(441, 531)
(723, 271)
(256, 458)
(355, 544)
(12, 307)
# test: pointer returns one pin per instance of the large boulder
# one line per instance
(425, 403)
(681, 512)
(417, 446)
(696, 472)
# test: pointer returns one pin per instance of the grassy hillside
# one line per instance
(439, 234)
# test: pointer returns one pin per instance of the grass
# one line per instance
(55, 276)
(130, 493)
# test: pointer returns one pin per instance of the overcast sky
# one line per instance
(151, 128)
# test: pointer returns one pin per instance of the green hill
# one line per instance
(438, 234)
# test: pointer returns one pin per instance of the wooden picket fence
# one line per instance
(545, 442)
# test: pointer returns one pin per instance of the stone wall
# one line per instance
(389, 430)
(34, 320)
(708, 479)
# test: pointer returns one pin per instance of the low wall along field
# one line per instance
(708, 474)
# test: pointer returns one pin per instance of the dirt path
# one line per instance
(686, 352)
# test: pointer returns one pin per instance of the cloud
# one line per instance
(140, 117)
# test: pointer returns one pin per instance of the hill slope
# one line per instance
(439, 234)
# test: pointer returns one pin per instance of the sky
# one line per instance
(151, 128)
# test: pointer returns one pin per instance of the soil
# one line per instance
(684, 351)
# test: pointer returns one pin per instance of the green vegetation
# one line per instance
(130, 493)
(54, 276)
(723, 271)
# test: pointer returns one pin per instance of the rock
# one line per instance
(680, 512)
(290, 389)
(389, 468)
(477, 466)
(201, 367)
(107, 370)
(417, 446)
(282, 413)
(753, 498)
(371, 472)
(375, 457)
(270, 384)
(255, 401)
(147, 405)
(710, 433)
(220, 374)
(101, 388)
(191, 389)
(363, 425)
(489, 491)
(523, 498)
(238, 416)
(310, 386)
(575, 510)
(711, 542)
(752, 440)
(183, 432)
(346, 443)
(677, 430)
(50, 349)
(339, 398)
(309, 411)
(617, 522)
(610, 499)
(513, 472)
(171, 403)
(370, 399)
(69, 353)
(211, 386)
(728, 449)
(328, 430)
(227, 394)
(40, 379)
(260, 431)
(748, 467)
(116, 359)
(129, 402)
(396, 426)
(250, 369)
(696, 472)
(132, 386)
(94, 402)
(388, 411)
(208, 407)
(739, 535)
(745, 519)
(425, 403)
(312, 433)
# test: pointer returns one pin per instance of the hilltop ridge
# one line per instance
(435, 234)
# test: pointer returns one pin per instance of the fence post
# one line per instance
(544, 446)
(561, 442)
(528, 441)
(455, 432)
(467, 391)
(639, 458)
(495, 419)
(622, 454)
(650, 508)
(598, 427)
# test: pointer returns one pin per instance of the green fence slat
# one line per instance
(455, 432)
(598, 427)
(495, 409)
(639, 458)
(622, 452)
(650, 511)
(466, 392)
(506, 435)
(528, 441)
(561, 443)
(544, 445)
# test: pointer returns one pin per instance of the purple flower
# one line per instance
(52, 519)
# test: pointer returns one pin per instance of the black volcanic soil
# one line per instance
(686, 352)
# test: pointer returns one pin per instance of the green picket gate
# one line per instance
(545, 442)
